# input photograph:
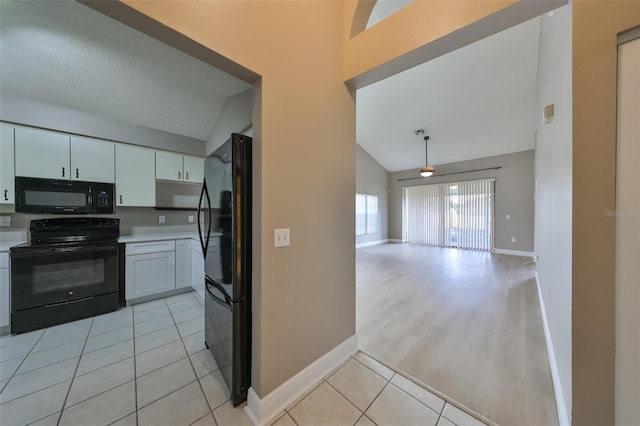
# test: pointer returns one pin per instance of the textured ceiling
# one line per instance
(474, 102)
(66, 54)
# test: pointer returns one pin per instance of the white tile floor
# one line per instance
(148, 365)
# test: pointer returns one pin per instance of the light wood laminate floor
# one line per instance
(465, 323)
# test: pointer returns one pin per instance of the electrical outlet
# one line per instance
(5, 220)
(281, 237)
(513, 239)
(161, 219)
(508, 217)
(190, 218)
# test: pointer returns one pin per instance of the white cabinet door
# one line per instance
(40, 153)
(92, 160)
(149, 274)
(5, 302)
(183, 263)
(7, 171)
(197, 268)
(135, 176)
(193, 169)
(169, 166)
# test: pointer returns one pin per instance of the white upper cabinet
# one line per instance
(135, 176)
(92, 160)
(168, 166)
(45, 154)
(178, 167)
(7, 192)
(193, 169)
(42, 154)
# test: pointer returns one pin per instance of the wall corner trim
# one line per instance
(514, 252)
(563, 416)
(264, 411)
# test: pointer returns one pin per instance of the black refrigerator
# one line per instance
(224, 225)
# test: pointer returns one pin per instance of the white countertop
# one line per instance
(140, 238)
(6, 245)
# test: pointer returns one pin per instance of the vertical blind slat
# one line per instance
(449, 215)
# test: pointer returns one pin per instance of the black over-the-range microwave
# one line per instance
(36, 195)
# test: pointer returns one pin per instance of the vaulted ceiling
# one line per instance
(474, 102)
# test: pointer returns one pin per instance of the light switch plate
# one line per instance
(190, 218)
(161, 219)
(281, 237)
(5, 220)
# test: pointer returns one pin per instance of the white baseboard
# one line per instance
(563, 416)
(514, 252)
(263, 411)
(372, 243)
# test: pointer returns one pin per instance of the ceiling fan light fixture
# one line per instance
(427, 171)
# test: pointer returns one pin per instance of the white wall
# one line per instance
(372, 178)
(554, 198)
(236, 116)
(628, 236)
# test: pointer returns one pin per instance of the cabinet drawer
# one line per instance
(4, 260)
(150, 247)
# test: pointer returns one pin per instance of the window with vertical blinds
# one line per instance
(450, 215)
(366, 214)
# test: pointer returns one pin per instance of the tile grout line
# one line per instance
(22, 362)
(92, 324)
(135, 364)
(195, 373)
(302, 398)
(73, 377)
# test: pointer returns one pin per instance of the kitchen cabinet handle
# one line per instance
(6, 198)
(179, 176)
(77, 173)
(187, 175)
(121, 199)
(63, 172)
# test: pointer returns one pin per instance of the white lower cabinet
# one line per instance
(150, 268)
(197, 268)
(5, 301)
(183, 263)
(157, 267)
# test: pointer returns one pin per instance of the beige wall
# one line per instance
(372, 178)
(304, 131)
(305, 127)
(513, 195)
(596, 25)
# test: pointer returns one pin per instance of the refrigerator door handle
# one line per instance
(212, 283)
(204, 243)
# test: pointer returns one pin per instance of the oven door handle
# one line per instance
(68, 302)
(37, 251)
